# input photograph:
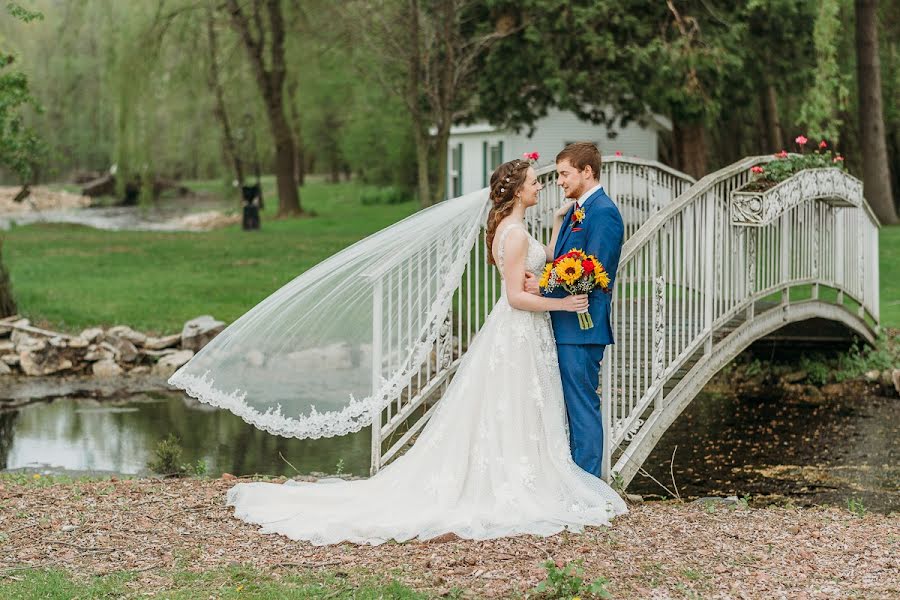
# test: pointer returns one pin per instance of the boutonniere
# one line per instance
(577, 218)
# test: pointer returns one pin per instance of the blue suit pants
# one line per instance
(579, 366)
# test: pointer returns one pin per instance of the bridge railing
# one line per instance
(705, 260)
(641, 188)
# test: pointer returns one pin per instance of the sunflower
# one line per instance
(601, 277)
(569, 270)
(545, 276)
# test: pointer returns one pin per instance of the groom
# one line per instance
(580, 351)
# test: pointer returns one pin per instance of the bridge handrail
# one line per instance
(689, 270)
(703, 185)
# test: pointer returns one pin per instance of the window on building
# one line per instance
(492, 158)
(456, 171)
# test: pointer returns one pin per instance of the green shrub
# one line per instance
(817, 369)
(167, 457)
(884, 356)
(568, 582)
(385, 195)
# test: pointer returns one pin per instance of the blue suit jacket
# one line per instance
(601, 234)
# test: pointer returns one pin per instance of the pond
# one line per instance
(85, 435)
(165, 215)
(777, 449)
(766, 447)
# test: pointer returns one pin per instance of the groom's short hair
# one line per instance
(581, 155)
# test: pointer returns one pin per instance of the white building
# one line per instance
(476, 150)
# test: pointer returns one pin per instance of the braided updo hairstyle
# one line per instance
(506, 180)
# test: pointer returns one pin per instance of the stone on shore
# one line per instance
(98, 353)
(170, 363)
(127, 333)
(4, 368)
(6, 329)
(199, 332)
(123, 349)
(154, 343)
(46, 363)
(106, 368)
(91, 334)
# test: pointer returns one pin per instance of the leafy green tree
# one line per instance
(829, 95)
(615, 62)
(19, 146)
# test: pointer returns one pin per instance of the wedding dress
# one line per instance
(493, 461)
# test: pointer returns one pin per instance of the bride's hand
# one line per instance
(578, 303)
(562, 210)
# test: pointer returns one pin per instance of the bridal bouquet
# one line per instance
(577, 273)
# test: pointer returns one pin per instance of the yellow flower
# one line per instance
(578, 215)
(601, 278)
(545, 276)
(37, 475)
(569, 270)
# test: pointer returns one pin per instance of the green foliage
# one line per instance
(339, 468)
(568, 582)
(755, 367)
(22, 13)
(167, 457)
(386, 195)
(824, 104)
(856, 507)
(20, 147)
(817, 370)
(617, 481)
(777, 171)
(861, 359)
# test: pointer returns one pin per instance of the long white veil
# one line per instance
(301, 362)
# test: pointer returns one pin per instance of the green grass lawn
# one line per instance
(70, 277)
(239, 581)
(889, 273)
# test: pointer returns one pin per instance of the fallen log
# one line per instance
(102, 186)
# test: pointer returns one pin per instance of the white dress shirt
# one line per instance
(588, 194)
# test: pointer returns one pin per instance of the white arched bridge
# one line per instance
(706, 270)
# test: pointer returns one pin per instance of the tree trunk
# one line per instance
(7, 303)
(271, 85)
(229, 144)
(297, 129)
(876, 177)
(769, 100)
(422, 175)
(413, 89)
(285, 162)
(440, 143)
(690, 147)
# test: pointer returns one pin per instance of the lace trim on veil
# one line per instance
(358, 413)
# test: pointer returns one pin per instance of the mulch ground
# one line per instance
(658, 550)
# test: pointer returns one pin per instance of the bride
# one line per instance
(494, 459)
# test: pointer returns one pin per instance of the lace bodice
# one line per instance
(536, 257)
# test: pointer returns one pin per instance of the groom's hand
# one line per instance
(531, 284)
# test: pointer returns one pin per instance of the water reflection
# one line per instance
(83, 434)
(823, 451)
